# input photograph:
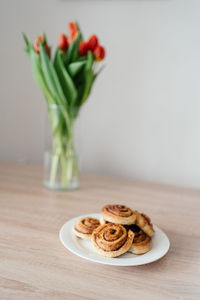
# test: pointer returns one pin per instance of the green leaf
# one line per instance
(51, 77)
(82, 58)
(53, 83)
(57, 122)
(72, 52)
(75, 53)
(88, 74)
(75, 67)
(79, 29)
(65, 79)
(44, 41)
(69, 53)
(28, 44)
(37, 71)
(39, 77)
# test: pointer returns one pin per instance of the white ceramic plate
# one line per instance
(84, 248)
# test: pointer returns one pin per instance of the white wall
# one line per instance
(143, 117)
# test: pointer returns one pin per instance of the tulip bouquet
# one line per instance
(66, 82)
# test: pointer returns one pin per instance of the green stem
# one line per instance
(63, 164)
(67, 160)
(63, 155)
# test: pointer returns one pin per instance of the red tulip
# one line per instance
(99, 53)
(63, 42)
(92, 42)
(36, 43)
(73, 32)
(37, 48)
(83, 48)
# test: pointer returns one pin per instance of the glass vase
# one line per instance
(61, 170)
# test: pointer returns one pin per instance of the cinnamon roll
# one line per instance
(141, 243)
(118, 214)
(144, 222)
(85, 226)
(112, 240)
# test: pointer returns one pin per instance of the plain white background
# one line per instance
(142, 119)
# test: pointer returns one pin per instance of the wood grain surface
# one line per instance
(35, 265)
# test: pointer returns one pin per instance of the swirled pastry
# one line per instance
(144, 222)
(141, 243)
(118, 214)
(85, 226)
(112, 240)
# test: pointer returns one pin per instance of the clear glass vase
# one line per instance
(61, 170)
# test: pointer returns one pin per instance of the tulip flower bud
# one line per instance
(63, 42)
(73, 32)
(92, 42)
(37, 47)
(99, 53)
(36, 43)
(83, 48)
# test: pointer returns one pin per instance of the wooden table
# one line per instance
(35, 265)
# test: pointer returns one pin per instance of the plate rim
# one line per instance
(106, 262)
